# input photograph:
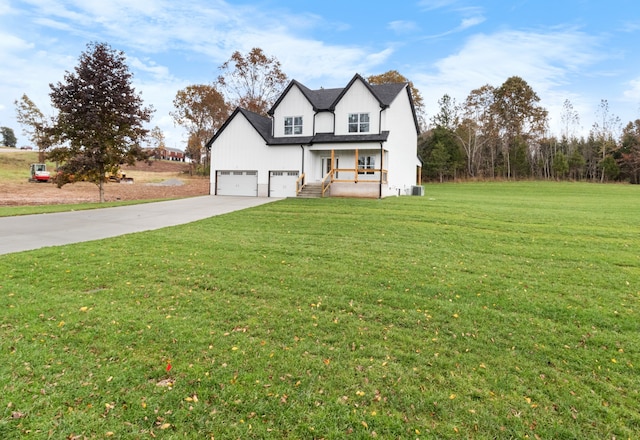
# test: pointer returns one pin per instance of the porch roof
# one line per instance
(330, 138)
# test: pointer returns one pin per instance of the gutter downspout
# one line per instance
(381, 151)
(381, 169)
(302, 168)
(382, 109)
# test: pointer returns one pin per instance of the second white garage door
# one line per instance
(282, 183)
(237, 183)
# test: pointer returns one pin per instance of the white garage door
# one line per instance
(282, 183)
(237, 183)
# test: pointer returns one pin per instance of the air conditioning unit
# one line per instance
(417, 190)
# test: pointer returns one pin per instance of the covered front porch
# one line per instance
(345, 173)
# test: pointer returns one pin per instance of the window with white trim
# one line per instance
(366, 163)
(293, 125)
(358, 122)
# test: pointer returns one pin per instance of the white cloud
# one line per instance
(633, 92)
(158, 72)
(429, 5)
(5, 7)
(11, 43)
(548, 61)
(545, 59)
(202, 33)
(471, 22)
(402, 26)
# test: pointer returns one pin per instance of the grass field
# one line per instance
(497, 310)
(14, 164)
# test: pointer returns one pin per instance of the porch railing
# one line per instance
(299, 184)
(327, 180)
(371, 175)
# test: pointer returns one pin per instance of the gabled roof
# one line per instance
(321, 100)
(384, 93)
(262, 125)
(327, 99)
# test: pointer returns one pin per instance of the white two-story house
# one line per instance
(356, 141)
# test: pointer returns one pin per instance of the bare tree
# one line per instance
(34, 124)
(605, 130)
(157, 140)
(570, 119)
(476, 129)
(254, 80)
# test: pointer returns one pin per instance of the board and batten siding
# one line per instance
(401, 144)
(358, 99)
(293, 104)
(324, 122)
(240, 147)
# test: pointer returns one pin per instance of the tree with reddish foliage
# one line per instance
(201, 109)
(254, 81)
(100, 120)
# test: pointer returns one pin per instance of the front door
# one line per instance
(326, 167)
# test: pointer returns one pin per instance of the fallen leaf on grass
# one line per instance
(17, 415)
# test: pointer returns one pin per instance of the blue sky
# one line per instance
(580, 50)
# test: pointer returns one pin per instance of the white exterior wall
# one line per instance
(294, 104)
(358, 99)
(324, 123)
(240, 147)
(402, 145)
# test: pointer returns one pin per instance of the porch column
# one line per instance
(333, 161)
(356, 167)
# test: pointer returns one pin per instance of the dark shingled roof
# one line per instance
(326, 99)
(321, 100)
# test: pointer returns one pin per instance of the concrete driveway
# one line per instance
(27, 232)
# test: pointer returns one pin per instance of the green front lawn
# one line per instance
(497, 310)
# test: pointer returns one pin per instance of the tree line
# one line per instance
(503, 133)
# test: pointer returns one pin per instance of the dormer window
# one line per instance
(293, 125)
(359, 123)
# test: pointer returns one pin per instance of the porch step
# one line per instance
(311, 191)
